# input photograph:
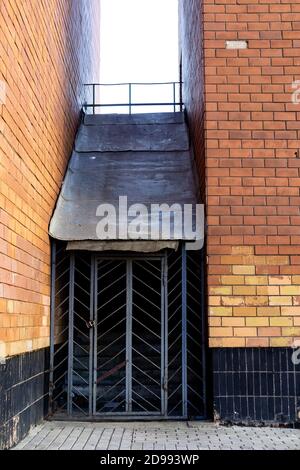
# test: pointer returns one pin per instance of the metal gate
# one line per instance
(127, 335)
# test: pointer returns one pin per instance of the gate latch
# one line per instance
(90, 324)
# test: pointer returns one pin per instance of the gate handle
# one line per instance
(90, 324)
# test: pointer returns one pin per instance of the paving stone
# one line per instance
(157, 436)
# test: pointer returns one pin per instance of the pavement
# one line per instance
(191, 435)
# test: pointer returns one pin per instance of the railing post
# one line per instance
(174, 96)
(129, 90)
(94, 97)
(180, 95)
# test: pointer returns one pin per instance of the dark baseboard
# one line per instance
(251, 386)
(256, 386)
(24, 390)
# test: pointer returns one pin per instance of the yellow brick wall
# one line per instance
(48, 49)
(249, 306)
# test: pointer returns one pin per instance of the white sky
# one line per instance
(139, 43)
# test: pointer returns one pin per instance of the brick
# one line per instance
(232, 301)
(244, 311)
(222, 290)
(256, 300)
(245, 332)
(290, 290)
(280, 280)
(281, 300)
(243, 269)
(290, 311)
(221, 332)
(268, 311)
(215, 321)
(281, 321)
(214, 300)
(244, 290)
(281, 342)
(226, 342)
(232, 280)
(291, 331)
(267, 270)
(268, 290)
(220, 311)
(257, 321)
(269, 331)
(256, 280)
(235, 321)
(257, 342)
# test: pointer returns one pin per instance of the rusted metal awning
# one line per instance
(145, 158)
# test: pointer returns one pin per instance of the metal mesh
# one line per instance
(127, 335)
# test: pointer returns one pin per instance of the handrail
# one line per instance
(131, 104)
(131, 83)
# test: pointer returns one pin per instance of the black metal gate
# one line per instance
(127, 335)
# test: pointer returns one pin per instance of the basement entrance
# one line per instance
(128, 335)
(127, 327)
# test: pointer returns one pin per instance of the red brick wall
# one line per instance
(191, 39)
(252, 172)
(48, 49)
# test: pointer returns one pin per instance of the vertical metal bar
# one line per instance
(129, 335)
(203, 326)
(164, 361)
(94, 97)
(95, 337)
(162, 337)
(174, 96)
(71, 333)
(52, 323)
(180, 86)
(91, 334)
(184, 332)
(130, 93)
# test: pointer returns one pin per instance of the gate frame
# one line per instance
(128, 259)
(92, 416)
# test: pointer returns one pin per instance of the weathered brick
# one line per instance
(221, 332)
(220, 311)
(269, 331)
(281, 300)
(290, 290)
(245, 332)
(282, 321)
(257, 321)
(47, 51)
(243, 269)
(256, 128)
(281, 342)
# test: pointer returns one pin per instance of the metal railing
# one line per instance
(94, 90)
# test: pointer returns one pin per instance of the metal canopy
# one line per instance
(145, 157)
